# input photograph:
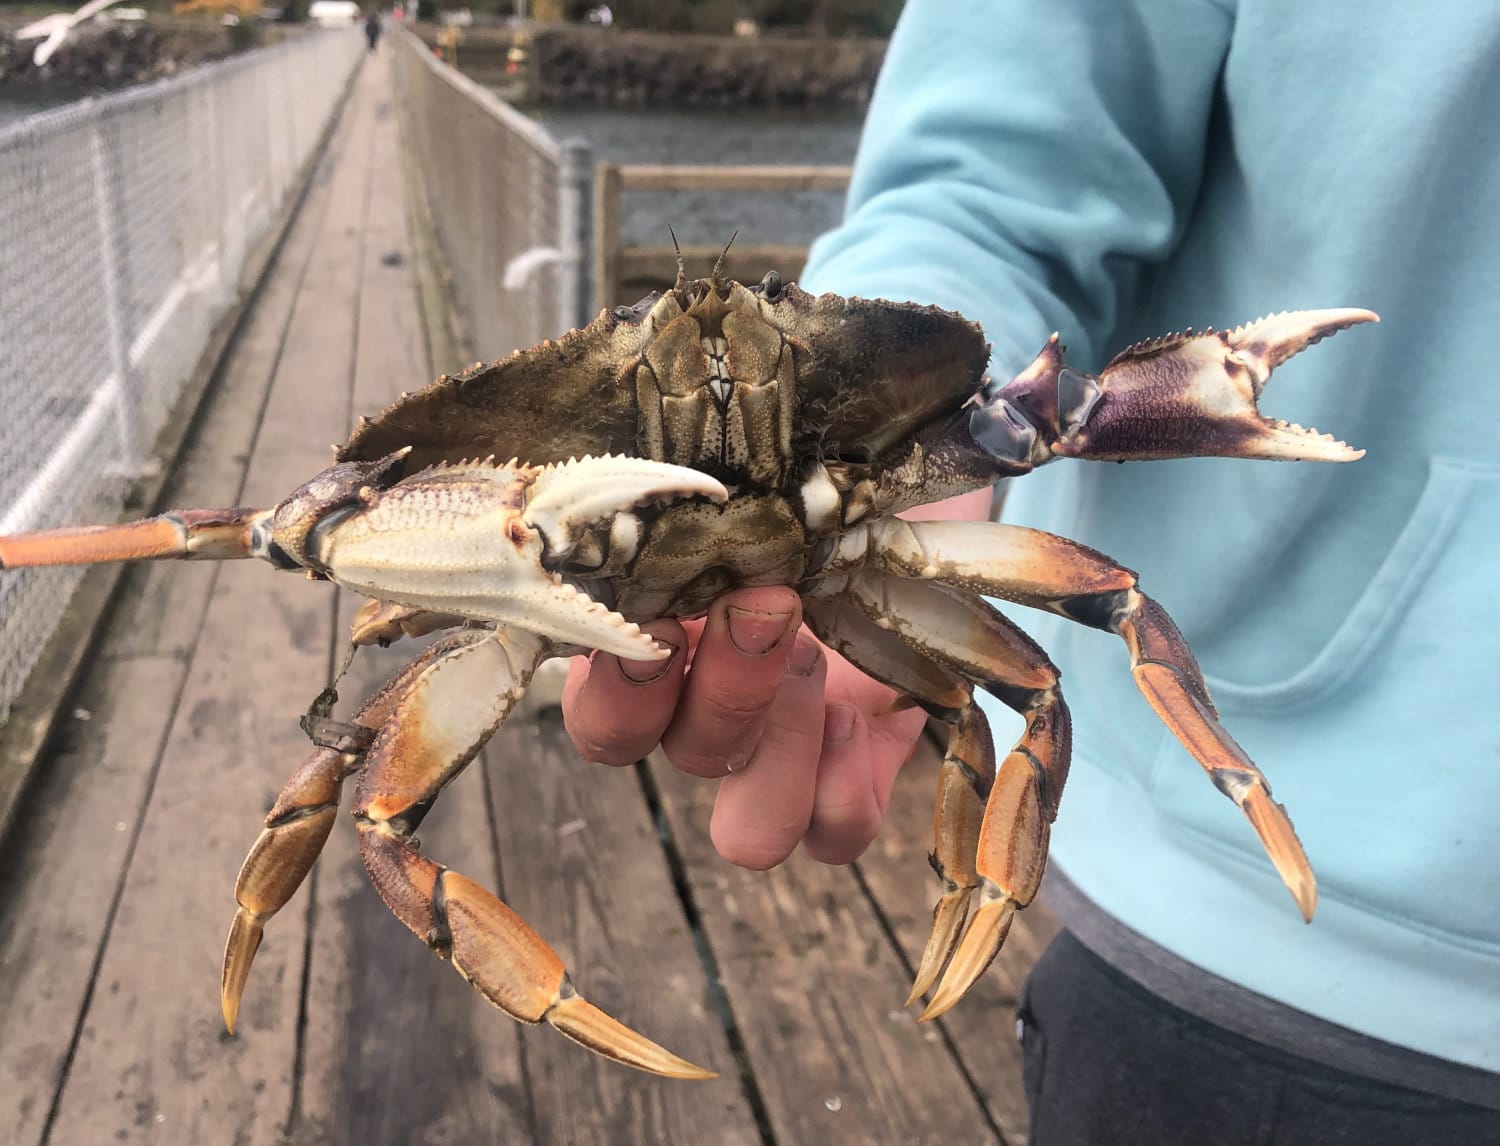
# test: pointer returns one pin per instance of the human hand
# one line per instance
(804, 745)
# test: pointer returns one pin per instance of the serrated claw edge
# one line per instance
(570, 496)
(1269, 341)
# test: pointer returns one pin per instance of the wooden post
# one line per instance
(607, 185)
(618, 269)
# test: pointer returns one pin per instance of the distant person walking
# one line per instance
(372, 28)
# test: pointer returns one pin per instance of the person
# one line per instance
(372, 27)
(1114, 170)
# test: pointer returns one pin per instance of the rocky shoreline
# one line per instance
(580, 66)
(551, 65)
(111, 56)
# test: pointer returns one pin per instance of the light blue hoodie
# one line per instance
(1113, 170)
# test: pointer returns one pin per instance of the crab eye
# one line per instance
(639, 310)
(770, 286)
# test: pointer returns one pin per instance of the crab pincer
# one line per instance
(1181, 395)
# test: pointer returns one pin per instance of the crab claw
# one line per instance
(571, 496)
(1182, 395)
(202, 534)
(489, 542)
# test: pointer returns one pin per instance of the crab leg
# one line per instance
(991, 829)
(296, 829)
(382, 622)
(1009, 847)
(204, 534)
(1042, 571)
(964, 785)
(438, 726)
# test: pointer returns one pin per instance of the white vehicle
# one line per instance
(334, 13)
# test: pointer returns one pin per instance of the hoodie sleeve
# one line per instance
(1026, 162)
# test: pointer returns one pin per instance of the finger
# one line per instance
(763, 810)
(893, 740)
(616, 710)
(845, 815)
(738, 664)
(864, 746)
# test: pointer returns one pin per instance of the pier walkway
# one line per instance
(116, 880)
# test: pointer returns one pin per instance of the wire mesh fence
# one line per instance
(126, 223)
(509, 203)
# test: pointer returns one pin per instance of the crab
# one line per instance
(713, 436)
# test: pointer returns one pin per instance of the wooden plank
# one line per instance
(759, 177)
(816, 989)
(153, 1063)
(77, 825)
(982, 1026)
(398, 1047)
(581, 862)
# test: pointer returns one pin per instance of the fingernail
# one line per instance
(804, 657)
(754, 633)
(644, 672)
(838, 724)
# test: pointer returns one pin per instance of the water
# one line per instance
(723, 138)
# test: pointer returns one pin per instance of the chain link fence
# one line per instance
(125, 226)
(510, 205)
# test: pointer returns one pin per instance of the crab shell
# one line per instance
(821, 377)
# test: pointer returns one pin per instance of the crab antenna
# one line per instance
(719, 263)
(681, 268)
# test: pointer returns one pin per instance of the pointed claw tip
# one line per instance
(690, 1072)
(1305, 893)
(939, 1006)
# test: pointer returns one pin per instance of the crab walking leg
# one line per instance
(964, 784)
(383, 622)
(1042, 571)
(296, 829)
(1009, 846)
(438, 726)
(991, 830)
(201, 534)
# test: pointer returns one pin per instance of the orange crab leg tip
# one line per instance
(947, 925)
(980, 944)
(239, 952)
(1279, 838)
(590, 1027)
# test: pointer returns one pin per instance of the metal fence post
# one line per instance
(104, 162)
(575, 200)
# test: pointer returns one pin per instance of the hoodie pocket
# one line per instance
(1414, 567)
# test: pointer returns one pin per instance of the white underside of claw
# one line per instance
(471, 539)
(1287, 441)
(1267, 342)
(573, 495)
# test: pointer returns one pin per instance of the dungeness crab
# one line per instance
(714, 436)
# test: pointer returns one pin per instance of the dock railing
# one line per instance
(530, 228)
(624, 273)
(508, 202)
(127, 219)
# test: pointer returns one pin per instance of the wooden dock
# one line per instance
(116, 883)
